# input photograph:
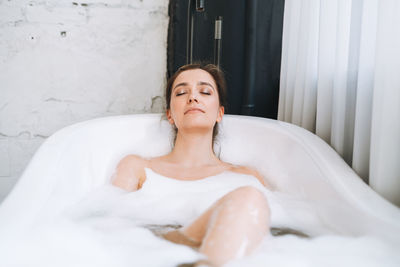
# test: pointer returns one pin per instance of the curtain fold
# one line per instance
(340, 78)
(385, 130)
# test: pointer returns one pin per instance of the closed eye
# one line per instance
(182, 93)
(206, 93)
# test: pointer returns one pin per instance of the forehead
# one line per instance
(194, 76)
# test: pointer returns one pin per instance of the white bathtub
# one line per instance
(80, 158)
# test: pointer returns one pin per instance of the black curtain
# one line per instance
(251, 47)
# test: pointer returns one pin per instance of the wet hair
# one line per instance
(219, 79)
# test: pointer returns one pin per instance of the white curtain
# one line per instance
(340, 78)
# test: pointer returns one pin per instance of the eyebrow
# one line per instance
(199, 83)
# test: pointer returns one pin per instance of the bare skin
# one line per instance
(235, 224)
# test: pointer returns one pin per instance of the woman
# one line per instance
(236, 223)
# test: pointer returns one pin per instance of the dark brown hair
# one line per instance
(219, 79)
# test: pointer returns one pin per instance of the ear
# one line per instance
(221, 113)
(169, 117)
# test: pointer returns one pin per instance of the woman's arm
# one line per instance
(129, 174)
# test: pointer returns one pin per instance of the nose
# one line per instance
(193, 98)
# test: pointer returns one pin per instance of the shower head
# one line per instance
(200, 5)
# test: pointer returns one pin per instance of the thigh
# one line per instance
(198, 228)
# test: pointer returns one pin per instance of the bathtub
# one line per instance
(327, 200)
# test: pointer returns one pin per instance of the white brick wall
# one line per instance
(62, 62)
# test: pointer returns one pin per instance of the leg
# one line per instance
(231, 228)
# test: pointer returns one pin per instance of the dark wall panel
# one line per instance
(268, 37)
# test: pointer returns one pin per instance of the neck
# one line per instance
(193, 149)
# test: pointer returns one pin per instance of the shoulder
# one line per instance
(133, 164)
(129, 173)
(250, 171)
(132, 161)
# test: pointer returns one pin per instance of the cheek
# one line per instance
(176, 107)
(215, 105)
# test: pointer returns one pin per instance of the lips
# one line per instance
(194, 109)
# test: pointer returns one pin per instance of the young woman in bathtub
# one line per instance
(236, 223)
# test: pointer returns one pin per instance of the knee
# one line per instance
(248, 192)
(249, 197)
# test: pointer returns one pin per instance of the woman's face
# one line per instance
(194, 101)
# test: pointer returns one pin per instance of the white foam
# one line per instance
(97, 232)
(329, 250)
(242, 249)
